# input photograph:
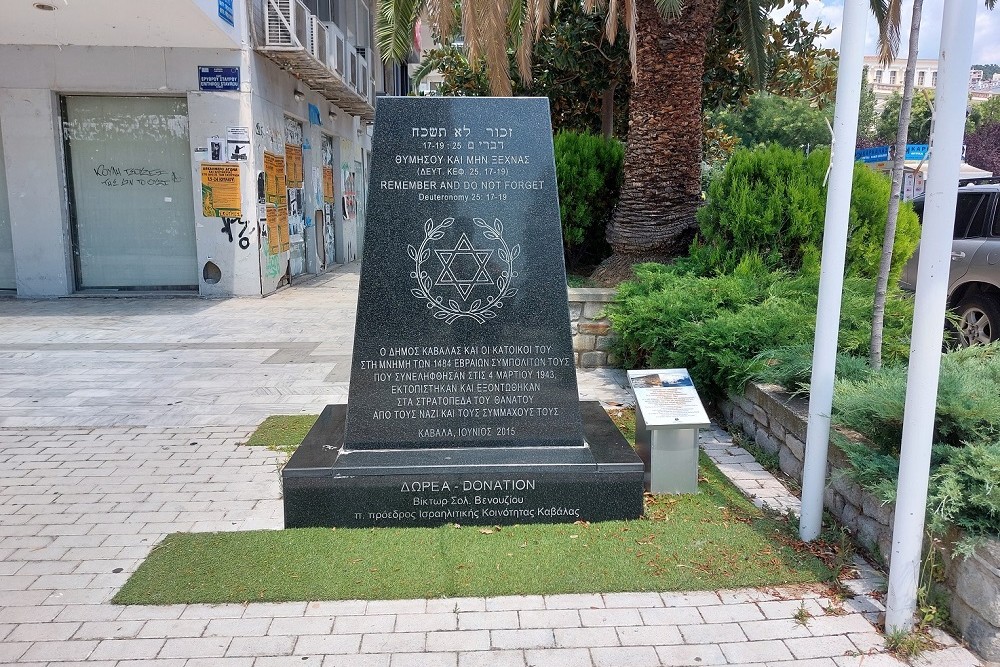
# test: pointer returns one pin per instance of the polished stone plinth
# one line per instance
(326, 485)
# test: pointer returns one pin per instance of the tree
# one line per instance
(985, 113)
(797, 65)
(866, 113)
(573, 64)
(904, 126)
(919, 125)
(655, 217)
(769, 119)
(899, 156)
(982, 148)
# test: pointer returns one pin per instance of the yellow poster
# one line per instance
(282, 213)
(273, 242)
(220, 190)
(328, 184)
(274, 177)
(293, 165)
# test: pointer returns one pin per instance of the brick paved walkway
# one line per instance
(120, 422)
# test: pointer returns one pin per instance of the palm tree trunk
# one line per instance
(906, 104)
(655, 217)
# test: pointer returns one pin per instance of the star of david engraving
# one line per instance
(458, 275)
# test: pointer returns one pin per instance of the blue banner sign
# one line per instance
(218, 78)
(883, 153)
(226, 11)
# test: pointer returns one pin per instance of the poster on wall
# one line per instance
(274, 177)
(220, 190)
(350, 198)
(238, 143)
(273, 236)
(328, 194)
(282, 214)
(293, 165)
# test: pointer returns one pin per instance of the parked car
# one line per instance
(974, 282)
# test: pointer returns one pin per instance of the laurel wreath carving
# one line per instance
(479, 310)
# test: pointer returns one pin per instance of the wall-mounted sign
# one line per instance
(226, 11)
(218, 78)
(220, 190)
(238, 143)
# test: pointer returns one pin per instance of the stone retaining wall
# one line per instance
(776, 422)
(592, 335)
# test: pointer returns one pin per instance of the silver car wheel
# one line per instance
(975, 327)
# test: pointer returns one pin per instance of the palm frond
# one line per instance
(633, 43)
(611, 22)
(443, 14)
(751, 18)
(887, 14)
(426, 67)
(522, 12)
(669, 9)
(394, 24)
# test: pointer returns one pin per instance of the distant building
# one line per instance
(213, 146)
(888, 80)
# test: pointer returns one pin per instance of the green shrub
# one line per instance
(965, 460)
(968, 401)
(791, 367)
(589, 170)
(962, 488)
(668, 317)
(964, 491)
(772, 201)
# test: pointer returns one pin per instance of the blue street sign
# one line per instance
(226, 11)
(218, 78)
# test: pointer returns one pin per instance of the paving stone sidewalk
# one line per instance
(121, 421)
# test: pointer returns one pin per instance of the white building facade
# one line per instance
(209, 146)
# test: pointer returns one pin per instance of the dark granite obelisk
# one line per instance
(463, 403)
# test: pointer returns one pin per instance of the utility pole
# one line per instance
(831, 281)
(951, 96)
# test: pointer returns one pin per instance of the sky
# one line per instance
(985, 46)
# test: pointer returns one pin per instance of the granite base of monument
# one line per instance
(327, 486)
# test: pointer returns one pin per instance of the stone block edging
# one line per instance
(776, 421)
(592, 334)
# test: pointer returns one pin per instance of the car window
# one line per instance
(970, 214)
(996, 221)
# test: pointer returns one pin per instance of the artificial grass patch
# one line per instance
(710, 540)
(282, 433)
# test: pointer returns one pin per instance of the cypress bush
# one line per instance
(771, 201)
(589, 170)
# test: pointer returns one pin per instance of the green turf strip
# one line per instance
(283, 433)
(711, 540)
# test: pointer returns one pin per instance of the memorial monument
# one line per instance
(463, 403)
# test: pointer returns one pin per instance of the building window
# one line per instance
(920, 79)
(892, 77)
(933, 78)
(878, 76)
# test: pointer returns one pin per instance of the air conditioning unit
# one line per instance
(279, 23)
(301, 24)
(318, 40)
(342, 63)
